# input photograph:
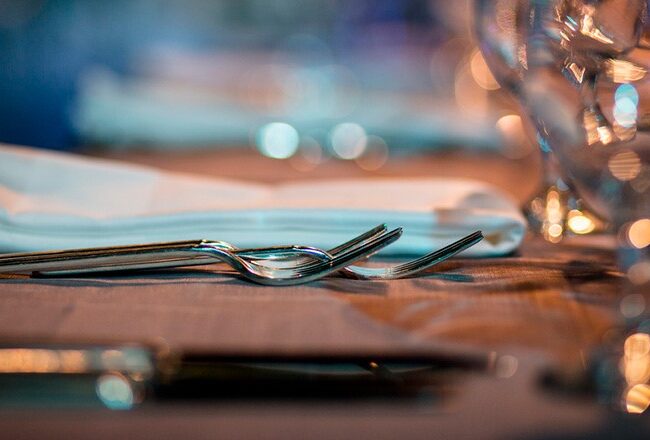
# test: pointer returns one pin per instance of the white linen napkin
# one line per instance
(52, 200)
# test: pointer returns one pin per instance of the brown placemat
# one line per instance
(558, 299)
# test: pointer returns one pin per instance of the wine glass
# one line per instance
(557, 57)
(579, 68)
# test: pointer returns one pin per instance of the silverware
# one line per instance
(413, 267)
(187, 253)
(165, 255)
(403, 270)
(279, 265)
(305, 273)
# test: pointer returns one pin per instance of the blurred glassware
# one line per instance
(579, 67)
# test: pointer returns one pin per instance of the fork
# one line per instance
(305, 273)
(185, 253)
(165, 255)
(407, 269)
(412, 267)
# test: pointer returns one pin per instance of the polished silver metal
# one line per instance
(304, 273)
(167, 255)
(413, 267)
(186, 253)
(403, 270)
(279, 265)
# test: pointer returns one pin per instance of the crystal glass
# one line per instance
(579, 69)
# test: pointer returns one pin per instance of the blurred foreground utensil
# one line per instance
(121, 376)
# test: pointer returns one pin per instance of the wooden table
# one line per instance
(546, 306)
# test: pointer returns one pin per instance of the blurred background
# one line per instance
(314, 79)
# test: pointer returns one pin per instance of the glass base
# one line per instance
(556, 212)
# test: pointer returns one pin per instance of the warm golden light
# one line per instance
(621, 71)
(579, 223)
(595, 129)
(509, 123)
(578, 72)
(555, 230)
(552, 227)
(637, 345)
(636, 359)
(589, 28)
(639, 233)
(481, 72)
(470, 97)
(605, 135)
(27, 360)
(516, 144)
(637, 399)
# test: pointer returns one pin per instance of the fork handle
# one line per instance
(144, 256)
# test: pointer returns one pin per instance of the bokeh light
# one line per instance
(636, 359)
(625, 165)
(552, 227)
(632, 305)
(580, 223)
(375, 155)
(348, 140)
(31, 360)
(278, 140)
(115, 391)
(626, 100)
(627, 91)
(515, 142)
(310, 154)
(639, 273)
(639, 233)
(481, 72)
(555, 231)
(471, 98)
(637, 399)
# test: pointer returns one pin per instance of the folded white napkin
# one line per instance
(53, 200)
